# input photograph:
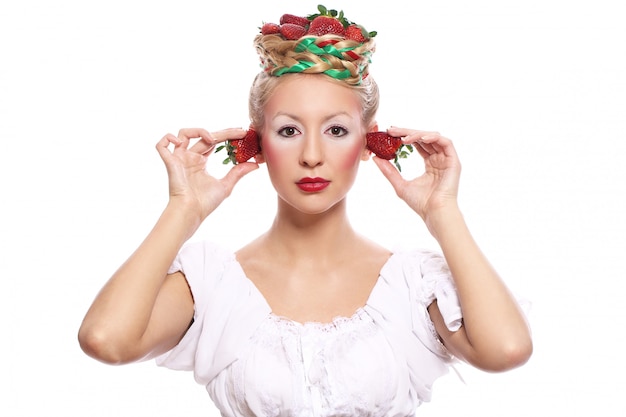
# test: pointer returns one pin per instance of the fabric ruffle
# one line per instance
(404, 315)
(228, 310)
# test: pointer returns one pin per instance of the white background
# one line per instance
(532, 93)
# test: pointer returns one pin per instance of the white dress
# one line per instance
(382, 361)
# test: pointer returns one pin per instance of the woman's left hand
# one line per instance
(437, 188)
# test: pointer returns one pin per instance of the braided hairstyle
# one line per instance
(342, 60)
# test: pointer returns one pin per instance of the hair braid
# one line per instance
(328, 54)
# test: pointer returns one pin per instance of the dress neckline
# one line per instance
(332, 323)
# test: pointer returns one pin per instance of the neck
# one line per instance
(301, 235)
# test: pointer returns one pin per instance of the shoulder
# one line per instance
(204, 248)
(203, 263)
(197, 253)
(426, 262)
(253, 251)
(424, 273)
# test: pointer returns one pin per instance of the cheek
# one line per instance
(351, 157)
(276, 155)
(270, 152)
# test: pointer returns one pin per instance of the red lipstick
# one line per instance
(312, 185)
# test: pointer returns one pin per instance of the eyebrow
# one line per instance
(296, 118)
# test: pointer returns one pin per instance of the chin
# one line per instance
(314, 208)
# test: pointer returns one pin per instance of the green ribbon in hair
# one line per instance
(309, 44)
(301, 66)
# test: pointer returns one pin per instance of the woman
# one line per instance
(310, 318)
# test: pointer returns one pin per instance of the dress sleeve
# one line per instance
(227, 309)
(428, 278)
(408, 284)
(437, 284)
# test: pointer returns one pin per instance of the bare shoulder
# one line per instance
(368, 251)
(253, 252)
(258, 261)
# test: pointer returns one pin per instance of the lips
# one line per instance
(312, 185)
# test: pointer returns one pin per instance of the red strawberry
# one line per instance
(356, 33)
(323, 25)
(296, 20)
(387, 147)
(292, 31)
(270, 28)
(241, 150)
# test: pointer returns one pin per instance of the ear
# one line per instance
(259, 158)
(365, 156)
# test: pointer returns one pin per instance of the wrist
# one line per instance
(185, 214)
(444, 220)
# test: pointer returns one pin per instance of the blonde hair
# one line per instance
(278, 56)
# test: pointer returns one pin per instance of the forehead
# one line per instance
(313, 94)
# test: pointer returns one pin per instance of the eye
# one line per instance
(288, 131)
(337, 131)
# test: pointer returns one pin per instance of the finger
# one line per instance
(440, 144)
(409, 135)
(228, 134)
(187, 134)
(427, 148)
(236, 173)
(420, 147)
(193, 133)
(162, 146)
(205, 145)
(391, 173)
(211, 139)
(414, 137)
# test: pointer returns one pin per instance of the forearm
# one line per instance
(493, 322)
(121, 311)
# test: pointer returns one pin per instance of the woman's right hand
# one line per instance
(189, 182)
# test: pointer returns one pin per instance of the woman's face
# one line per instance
(313, 141)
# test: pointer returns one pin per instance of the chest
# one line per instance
(346, 367)
(317, 295)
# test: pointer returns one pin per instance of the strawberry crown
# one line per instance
(321, 49)
(336, 47)
(323, 11)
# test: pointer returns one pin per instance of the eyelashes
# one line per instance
(335, 131)
(288, 131)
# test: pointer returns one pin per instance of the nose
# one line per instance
(312, 154)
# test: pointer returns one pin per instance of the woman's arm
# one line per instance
(495, 335)
(141, 311)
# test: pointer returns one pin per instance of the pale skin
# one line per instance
(320, 266)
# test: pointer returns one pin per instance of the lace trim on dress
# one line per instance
(435, 334)
(346, 329)
(338, 323)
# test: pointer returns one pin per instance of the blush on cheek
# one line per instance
(351, 157)
(271, 153)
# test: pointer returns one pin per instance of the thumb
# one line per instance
(238, 172)
(390, 172)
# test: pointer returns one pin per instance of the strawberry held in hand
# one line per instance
(241, 150)
(387, 147)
